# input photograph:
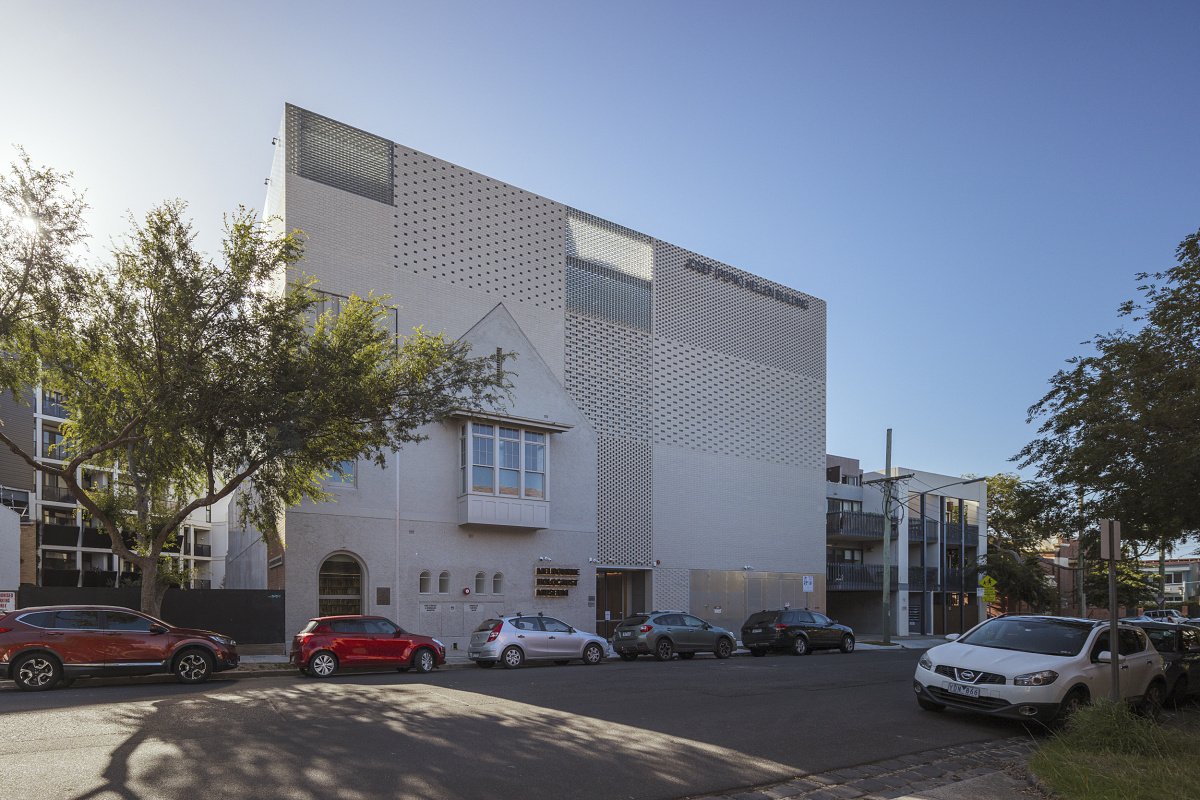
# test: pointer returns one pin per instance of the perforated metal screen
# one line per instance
(329, 152)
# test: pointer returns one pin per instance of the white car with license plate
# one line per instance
(1039, 668)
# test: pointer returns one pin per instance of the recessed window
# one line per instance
(444, 583)
(502, 460)
(480, 583)
(342, 474)
(498, 583)
(425, 584)
(339, 586)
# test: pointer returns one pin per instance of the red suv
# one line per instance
(53, 645)
(328, 643)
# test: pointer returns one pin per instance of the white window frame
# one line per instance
(466, 457)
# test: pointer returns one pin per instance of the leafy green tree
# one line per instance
(1022, 517)
(1123, 424)
(41, 228)
(1134, 587)
(191, 378)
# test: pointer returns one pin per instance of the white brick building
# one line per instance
(680, 403)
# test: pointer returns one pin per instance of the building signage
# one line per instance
(554, 581)
(8, 602)
(746, 282)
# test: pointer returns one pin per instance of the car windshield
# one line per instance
(1044, 636)
(761, 618)
(632, 621)
(487, 625)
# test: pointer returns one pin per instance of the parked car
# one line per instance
(513, 640)
(328, 644)
(1165, 615)
(665, 633)
(1037, 668)
(49, 646)
(797, 631)
(1179, 646)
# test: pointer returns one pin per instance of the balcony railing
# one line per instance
(96, 538)
(954, 534)
(858, 524)
(60, 535)
(204, 550)
(914, 530)
(53, 405)
(920, 578)
(856, 577)
(57, 494)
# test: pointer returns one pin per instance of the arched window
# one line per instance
(480, 583)
(340, 586)
(426, 582)
(498, 583)
(444, 583)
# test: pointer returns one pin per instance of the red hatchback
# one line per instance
(47, 646)
(326, 644)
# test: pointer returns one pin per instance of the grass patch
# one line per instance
(1109, 752)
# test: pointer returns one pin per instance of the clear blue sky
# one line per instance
(970, 186)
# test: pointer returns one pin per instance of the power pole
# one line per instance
(889, 482)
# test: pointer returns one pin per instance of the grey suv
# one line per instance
(665, 633)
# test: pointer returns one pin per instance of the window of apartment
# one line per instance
(498, 583)
(58, 516)
(843, 555)
(425, 582)
(480, 583)
(59, 559)
(835, 505)
(52, 444)
(502, 460)
(342, 474)
(54, 404)
(444, 583)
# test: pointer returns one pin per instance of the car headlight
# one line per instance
(926, 662)
(439, 644)
(1043, 678)
(225, 640)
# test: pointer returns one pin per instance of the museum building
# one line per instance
(664, 447)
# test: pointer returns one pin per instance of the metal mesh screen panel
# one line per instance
(625, 512)
(337, 155)
(609, 271)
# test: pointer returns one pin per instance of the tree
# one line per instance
(1124, 424)
(189, 379)
(1134, 587)
(41, 225)
(1022, 516)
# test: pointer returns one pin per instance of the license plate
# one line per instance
(756, 630)
(965, 691)
(626, 634)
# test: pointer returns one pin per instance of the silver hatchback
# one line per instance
(513, 640)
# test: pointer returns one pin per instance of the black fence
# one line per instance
(250, 616)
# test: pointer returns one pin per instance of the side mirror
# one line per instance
(707, 627)
(1104, 657)
(570, 629)
(399, 632)
(157, 629)
(950, 637)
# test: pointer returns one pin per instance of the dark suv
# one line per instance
(52, 645)
(796, 631)
(665, 633)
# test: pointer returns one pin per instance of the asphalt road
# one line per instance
(618, 730)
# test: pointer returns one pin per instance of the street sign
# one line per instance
(808, 583)
(8, 602)
(1110, 540)
(987, 582)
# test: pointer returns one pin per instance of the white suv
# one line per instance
(1166, 615)
(1041, 668)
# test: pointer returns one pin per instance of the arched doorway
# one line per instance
(340, 586)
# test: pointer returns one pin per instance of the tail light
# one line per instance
(301, 638)
(779, 626)
(646, 628)
(495, 631)
(5, 630)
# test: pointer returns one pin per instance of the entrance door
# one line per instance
(610, 601)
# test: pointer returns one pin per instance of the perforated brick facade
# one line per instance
(689, 395)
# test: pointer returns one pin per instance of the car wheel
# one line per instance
(724, 648)
(593, 654)
(1179, 691)
(512, 657)
(847, 645)
(686, 656)
(1075, 700)
(424, 660)
(758, 652)
(485, 664)
(628, 656)
(193, 666)
(664, 649)
(799, 646)
(36, 672)
(1152, 700)
(322, 664)
(929, 705)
